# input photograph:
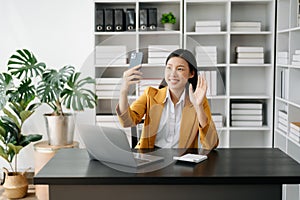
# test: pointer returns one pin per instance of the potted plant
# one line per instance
(168, 19)
(59, 88)
(17, 104)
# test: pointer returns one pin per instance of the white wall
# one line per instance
(58, 33)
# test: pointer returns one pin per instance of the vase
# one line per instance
(60, 129)
(15, 184)
(168, 26)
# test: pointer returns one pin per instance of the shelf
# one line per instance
(252, 1)
(159, 1)
(250, 128)
(159, 32)
(206, 33)
(258, 96)
(250, 65)
(251, 33)
(293, 141)
(234, 81)
(115, 33)
(217, 97)
(287, 82)
(207, 1)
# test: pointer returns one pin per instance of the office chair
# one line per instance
(136, 133)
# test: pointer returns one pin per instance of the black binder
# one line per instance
(143, 19)
(152, 19)
(119, 20)
(99, 20)
(109, 19)
(130, 19)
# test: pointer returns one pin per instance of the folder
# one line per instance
(119, 20)
(143, 19)
(99, 20)
(130, 19)
(152, 19)
(109, 19)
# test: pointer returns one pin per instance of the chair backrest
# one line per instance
(136, 133)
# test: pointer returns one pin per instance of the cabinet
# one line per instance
(287, 96)
(235, 82)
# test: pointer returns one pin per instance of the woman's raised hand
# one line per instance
(197, 96)
(130, 77)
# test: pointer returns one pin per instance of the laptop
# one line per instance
(111, 145)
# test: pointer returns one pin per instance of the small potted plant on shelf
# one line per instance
(17, 104)
(168, 20)
(59, 88)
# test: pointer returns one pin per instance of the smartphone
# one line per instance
(136, 58)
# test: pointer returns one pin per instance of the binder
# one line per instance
(99, 20)
(109, 19)
(143, 19)
(152, 19)
(119, 20)
(130, 19)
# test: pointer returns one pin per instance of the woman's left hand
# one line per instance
(197, 96)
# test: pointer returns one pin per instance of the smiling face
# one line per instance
(177, 73)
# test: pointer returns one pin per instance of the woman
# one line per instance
(177, 113)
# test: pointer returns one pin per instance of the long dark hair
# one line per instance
(190, 59)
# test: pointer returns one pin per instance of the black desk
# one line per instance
(227, 174)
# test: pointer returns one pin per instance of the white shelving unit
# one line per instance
(287, 96)
(136, 40)
(236, 82)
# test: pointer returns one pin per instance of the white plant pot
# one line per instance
(168, 26)
(60, 129)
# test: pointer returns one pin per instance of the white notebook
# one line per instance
(196, 158)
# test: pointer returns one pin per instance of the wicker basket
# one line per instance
(15, 185)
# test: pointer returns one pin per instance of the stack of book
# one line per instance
(211, 79)
(250, 55)
(206, 55)
(296, 58)
(144, 83)
(282, 121)
(246, 26)
(218, 119)
(157, 54)
(108, 87)
(295, 131)
(283, 57)
(246, 114)
(111, 55)
(207, 26)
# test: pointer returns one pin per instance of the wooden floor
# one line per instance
(30, 195)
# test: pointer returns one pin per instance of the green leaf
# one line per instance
(14, 148)
(6, 84)
(53, 83)
(25, 140)
(25, 115)
(76, 96)
(24, 64)
(3, 153)
(24, 93)
(11, 128)
(12, 116)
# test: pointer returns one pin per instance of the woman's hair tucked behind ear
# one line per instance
(190, 59)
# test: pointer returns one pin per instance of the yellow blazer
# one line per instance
(151, 103)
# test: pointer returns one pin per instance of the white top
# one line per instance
(169, 127)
